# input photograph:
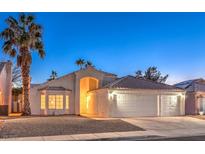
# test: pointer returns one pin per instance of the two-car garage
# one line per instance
(141, 104)
(128, 101)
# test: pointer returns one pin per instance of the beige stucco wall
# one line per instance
(99, 104)
(72, 82)
(66, 82)
(6, 85)
(90, 72)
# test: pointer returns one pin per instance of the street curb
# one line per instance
(86, 137)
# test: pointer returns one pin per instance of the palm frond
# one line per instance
(8, 49)
(7, 34)
(29, 19)
(41, 53)
(12, 22)
(7, 46)
(22, 18)
(13, 53)
(35, 28)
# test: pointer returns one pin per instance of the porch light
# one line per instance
(181, 95)
(110, 95)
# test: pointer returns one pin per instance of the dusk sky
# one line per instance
(120, 43)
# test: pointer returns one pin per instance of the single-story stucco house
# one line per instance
(5, 87)
(195, 96)
(98, 93)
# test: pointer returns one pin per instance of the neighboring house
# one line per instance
(195, 96)
(5, 87)
(98, 93)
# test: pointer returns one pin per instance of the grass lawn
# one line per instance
(61, 125)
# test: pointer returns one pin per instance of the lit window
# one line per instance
(55, 102)
(51, 101)
(43, 102)
(67, 102)
(59, 101)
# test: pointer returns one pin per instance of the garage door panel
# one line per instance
(131, 105)
(170, 105)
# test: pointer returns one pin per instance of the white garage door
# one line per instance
(133, 105)
(170, 106)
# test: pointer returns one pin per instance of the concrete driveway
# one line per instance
(170, 126)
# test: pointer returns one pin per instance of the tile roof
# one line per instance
(97, 70)
(54, 88)
(130, 82)
(192, 85)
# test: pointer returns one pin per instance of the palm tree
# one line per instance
(80, 62)
(22, 37)
(53, 75)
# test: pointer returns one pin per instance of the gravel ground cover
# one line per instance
(61, 125)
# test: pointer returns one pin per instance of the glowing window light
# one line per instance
(59, 101)
(67, 102)
(43, 102)
(51, 101)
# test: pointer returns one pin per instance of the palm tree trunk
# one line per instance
(25, 70)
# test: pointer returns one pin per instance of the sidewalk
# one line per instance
(86, 137)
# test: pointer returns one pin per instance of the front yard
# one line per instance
(60, 125)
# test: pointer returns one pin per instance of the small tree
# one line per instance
(53, 75)
(16, 91)
(139, 74)
(152, 74)
(16, 77)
